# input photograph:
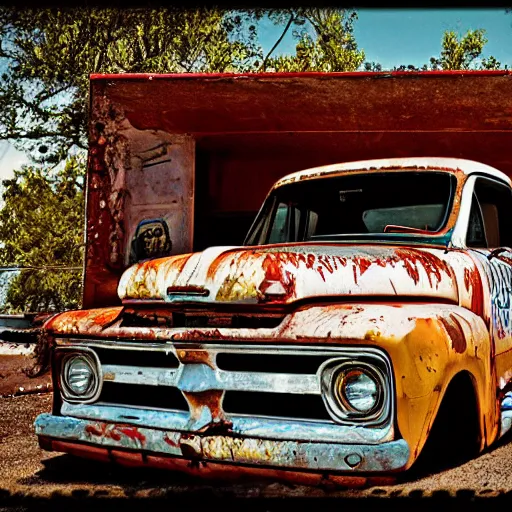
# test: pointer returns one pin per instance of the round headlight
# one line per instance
(79, 376)
(357, 390)
(354, 391)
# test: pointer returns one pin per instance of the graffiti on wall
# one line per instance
(151, 240)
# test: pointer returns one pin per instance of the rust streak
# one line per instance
(454, 330)
(133, 433)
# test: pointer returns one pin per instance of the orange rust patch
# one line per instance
(92, 320)
(198, 335)
(196, 357)
(171, 442)
(219, 260)
(273, 267)
(178, 263)
(411, 260)
(114, 432)
(91, 429)
(361, 263)
(212, 400)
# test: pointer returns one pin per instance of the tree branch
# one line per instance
(42, 96)
(278, 42)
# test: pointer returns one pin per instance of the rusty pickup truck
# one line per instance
(364, 322)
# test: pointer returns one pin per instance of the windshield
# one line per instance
(355, 205)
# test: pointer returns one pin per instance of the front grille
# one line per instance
(279, 405)
(169, 318)
(144, 359)
(151, 397)
(256, 381)
(271, 363)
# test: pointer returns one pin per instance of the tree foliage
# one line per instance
(459, 52)
(325, 41)
(48, 54)
(41, 227)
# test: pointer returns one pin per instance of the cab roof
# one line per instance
(454, 165)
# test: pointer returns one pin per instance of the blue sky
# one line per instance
(389, 36)
(411, 36)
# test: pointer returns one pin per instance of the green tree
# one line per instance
(48, 54)
(373, 66)
(325, 41)
(41, 229)
(458, 52)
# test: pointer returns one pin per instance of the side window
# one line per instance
(280, 225)
(311, 223)
(292, 224)
(476, 235)
(490, 222)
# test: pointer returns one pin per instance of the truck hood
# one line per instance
(282, 274)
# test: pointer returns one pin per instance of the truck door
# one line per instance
(489, 239)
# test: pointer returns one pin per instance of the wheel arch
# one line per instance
(457, 420)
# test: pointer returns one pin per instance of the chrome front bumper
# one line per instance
(251, 451)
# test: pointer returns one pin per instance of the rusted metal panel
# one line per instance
(334, 102)
(134, 176)
(215, 470)
(283, 274)
(266, 428)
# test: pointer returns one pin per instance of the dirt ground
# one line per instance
(13, 380)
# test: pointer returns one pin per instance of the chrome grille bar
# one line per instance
(214, 379)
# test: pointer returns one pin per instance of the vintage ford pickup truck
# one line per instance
(365, 320)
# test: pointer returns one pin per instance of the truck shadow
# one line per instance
(429, 466)
(69, 471)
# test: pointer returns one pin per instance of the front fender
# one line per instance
(429, 344)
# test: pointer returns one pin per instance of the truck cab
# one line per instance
(367, 310)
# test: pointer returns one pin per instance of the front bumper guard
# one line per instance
(269, 453)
